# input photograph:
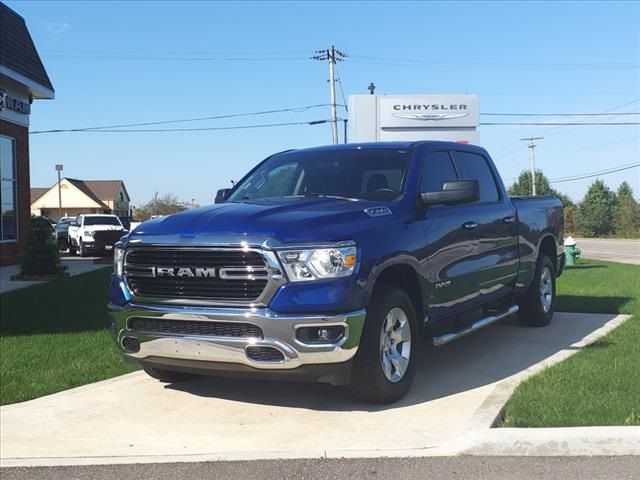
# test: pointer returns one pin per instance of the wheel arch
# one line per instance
(548, 247)
(405, 277)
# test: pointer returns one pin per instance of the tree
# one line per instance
(626, 218)
(595, 213)
(41, 256)
(543, 187)
(165, 205)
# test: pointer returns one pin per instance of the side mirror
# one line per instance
(221, 196)
(452, 193)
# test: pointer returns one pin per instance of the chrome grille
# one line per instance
(139, 261)
(187, 327)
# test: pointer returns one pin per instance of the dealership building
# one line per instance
(22, 80)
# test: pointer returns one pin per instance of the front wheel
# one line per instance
(385, 364)
(538, 304)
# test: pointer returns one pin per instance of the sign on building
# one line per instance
(378, 118)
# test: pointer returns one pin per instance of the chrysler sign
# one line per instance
(420, 111)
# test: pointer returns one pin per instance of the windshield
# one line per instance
(368, 174)
(102, 221)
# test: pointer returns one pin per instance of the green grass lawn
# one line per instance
(600, 385)
(53, 337)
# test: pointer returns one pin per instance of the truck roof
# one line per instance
(396, 144)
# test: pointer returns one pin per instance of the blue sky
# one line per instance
(127, 62)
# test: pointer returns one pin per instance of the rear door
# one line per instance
(494, 224)
(450, 246)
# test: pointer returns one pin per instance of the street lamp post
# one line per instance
(59, 169)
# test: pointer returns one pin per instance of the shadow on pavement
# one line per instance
(485, 357)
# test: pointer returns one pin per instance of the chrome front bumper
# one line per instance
(279, 332)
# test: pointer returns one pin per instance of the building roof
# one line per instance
(17, 50)
(84, 188)
(105, 189)
(36, 193)
(100, 191)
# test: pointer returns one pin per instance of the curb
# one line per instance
(545, 442)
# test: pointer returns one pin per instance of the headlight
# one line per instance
(304, 265)
(90, 234)
(118, 261)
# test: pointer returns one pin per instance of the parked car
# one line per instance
(62, 232)
(94, 233)
(333, 263)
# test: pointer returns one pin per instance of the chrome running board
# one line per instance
(450, 337)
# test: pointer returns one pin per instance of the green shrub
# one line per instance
(41, 256)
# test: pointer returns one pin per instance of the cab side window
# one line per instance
(437, 169)
(475, 167)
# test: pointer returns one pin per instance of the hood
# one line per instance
(284, 219)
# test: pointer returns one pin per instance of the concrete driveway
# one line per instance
(75, 266)
(460, 388)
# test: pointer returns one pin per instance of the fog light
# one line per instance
(330, 334)
(131, 344)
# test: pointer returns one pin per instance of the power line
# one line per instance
(548, 131)
(558, 114)
(596, 174)
(495, 65)
(344, 98)
(558, 124)
(609, 110)
(185, 120)
(202, 129)
(180, 52)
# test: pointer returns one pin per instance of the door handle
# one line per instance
(470, 225)
(509, 219)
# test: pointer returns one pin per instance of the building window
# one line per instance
(8, 227)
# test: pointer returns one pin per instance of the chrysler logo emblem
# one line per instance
(430, 116)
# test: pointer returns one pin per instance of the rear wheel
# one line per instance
(167, 376)
(385, 364)
(538, 304)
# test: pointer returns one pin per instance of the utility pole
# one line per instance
(532, 156)
(332, 56)
(59, 168)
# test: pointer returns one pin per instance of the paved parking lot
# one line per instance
(460, 388)
(612, 249)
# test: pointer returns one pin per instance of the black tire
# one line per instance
(72, 249)
(167, 376)
(536, 309)
(81, 250)
(368, 379)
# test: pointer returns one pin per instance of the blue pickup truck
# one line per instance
(333, 264)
